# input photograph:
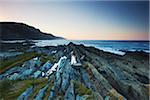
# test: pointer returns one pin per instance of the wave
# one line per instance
(116, 47)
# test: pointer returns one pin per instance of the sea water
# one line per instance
(116, 47)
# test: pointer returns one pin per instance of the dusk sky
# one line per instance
(82, 20)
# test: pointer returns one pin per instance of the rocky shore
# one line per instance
(73, 72)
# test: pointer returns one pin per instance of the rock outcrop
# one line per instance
(93, 75)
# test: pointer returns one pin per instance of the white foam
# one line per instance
(147, 51)
(43, 43)
(113, 51)
(14, 41)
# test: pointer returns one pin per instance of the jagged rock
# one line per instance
(12, 70)
(52, 69)
(65, 77)
(37, 74)
(46, 66)
(69, 94)
(86, 79)
(78, 97)
(25, 94)
(98, 96)
(61, 65)
(113, 94)
(103, 75)
(9, 72)
(52, 93)
(105, 86)
(57, 66)
(107, 98)
(41, 93)
(122, 80)
(74, 73)
(83, 97)
(118, 74)
(35, 62)
(14, 76)
(26, 73)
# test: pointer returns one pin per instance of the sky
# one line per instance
(82, 20)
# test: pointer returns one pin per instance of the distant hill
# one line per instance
(21, 31)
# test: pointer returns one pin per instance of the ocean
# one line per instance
(116, 47)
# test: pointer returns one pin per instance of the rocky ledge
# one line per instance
(74, 72)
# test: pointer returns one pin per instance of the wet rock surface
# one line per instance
(94, 75)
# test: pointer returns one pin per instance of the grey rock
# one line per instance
(52, 93)
(14, 76)
(69, 94)
(25, 94)
(37, 74)
(85, 78)
(83, 97)
(41, 93)
(46, 66)
(26, 73)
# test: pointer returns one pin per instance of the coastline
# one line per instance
(119, 47)
(124, 75)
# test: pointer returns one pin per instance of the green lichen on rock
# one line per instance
(48, 90)
(44, 58)
(81, 89)
(11, 89)
(6, 64)
(85, 65)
